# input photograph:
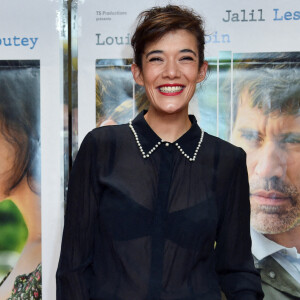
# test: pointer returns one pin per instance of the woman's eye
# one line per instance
(187, 58)
(155, 59)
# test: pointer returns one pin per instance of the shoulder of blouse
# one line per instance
(107, 130)
(105, 134)
(226, 149)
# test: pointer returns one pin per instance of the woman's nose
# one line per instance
(271, 161)
(171, 70)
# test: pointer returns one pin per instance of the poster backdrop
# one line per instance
(104, 31)
(251, 97)
(253, 51)
(31, 156)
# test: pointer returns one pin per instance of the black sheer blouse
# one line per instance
(157, 228)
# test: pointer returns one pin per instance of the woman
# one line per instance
(19, 171)
(149, 200)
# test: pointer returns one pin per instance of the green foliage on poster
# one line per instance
(13, 230)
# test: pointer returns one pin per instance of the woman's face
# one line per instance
(170, 71)
(7, 155)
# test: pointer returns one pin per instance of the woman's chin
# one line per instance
(172, 109)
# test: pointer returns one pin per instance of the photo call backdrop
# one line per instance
(79, 54)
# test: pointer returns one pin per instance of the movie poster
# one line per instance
(243, 28)
(20, 167)
(250, 98)
(31, 147)
(264, 97)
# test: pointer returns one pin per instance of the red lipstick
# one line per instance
(171, 89)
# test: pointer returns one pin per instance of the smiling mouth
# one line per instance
(171, 89)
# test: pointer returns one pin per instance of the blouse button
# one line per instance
(272, 274)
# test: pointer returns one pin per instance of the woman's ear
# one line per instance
(202, 72)
(137, 74)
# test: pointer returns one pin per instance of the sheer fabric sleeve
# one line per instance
(234, 263)
(74, 266)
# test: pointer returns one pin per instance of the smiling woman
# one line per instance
(169, 74)
(158, 209)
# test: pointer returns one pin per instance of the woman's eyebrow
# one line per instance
(181, 51)
(188, 51)
(154, 52)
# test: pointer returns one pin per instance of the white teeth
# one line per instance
(170, 89)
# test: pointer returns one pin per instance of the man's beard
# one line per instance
(273, 219)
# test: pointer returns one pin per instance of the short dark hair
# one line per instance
(154, 23)
(272, 80)
(20, 120)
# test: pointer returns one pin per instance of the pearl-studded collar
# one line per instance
(147, 140)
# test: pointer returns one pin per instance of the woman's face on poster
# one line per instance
(7, 157)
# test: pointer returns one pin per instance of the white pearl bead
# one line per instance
(167, 144)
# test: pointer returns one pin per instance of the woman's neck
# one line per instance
(169, 127)
(29, 205)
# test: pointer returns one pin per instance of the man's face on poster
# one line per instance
(272, 144)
